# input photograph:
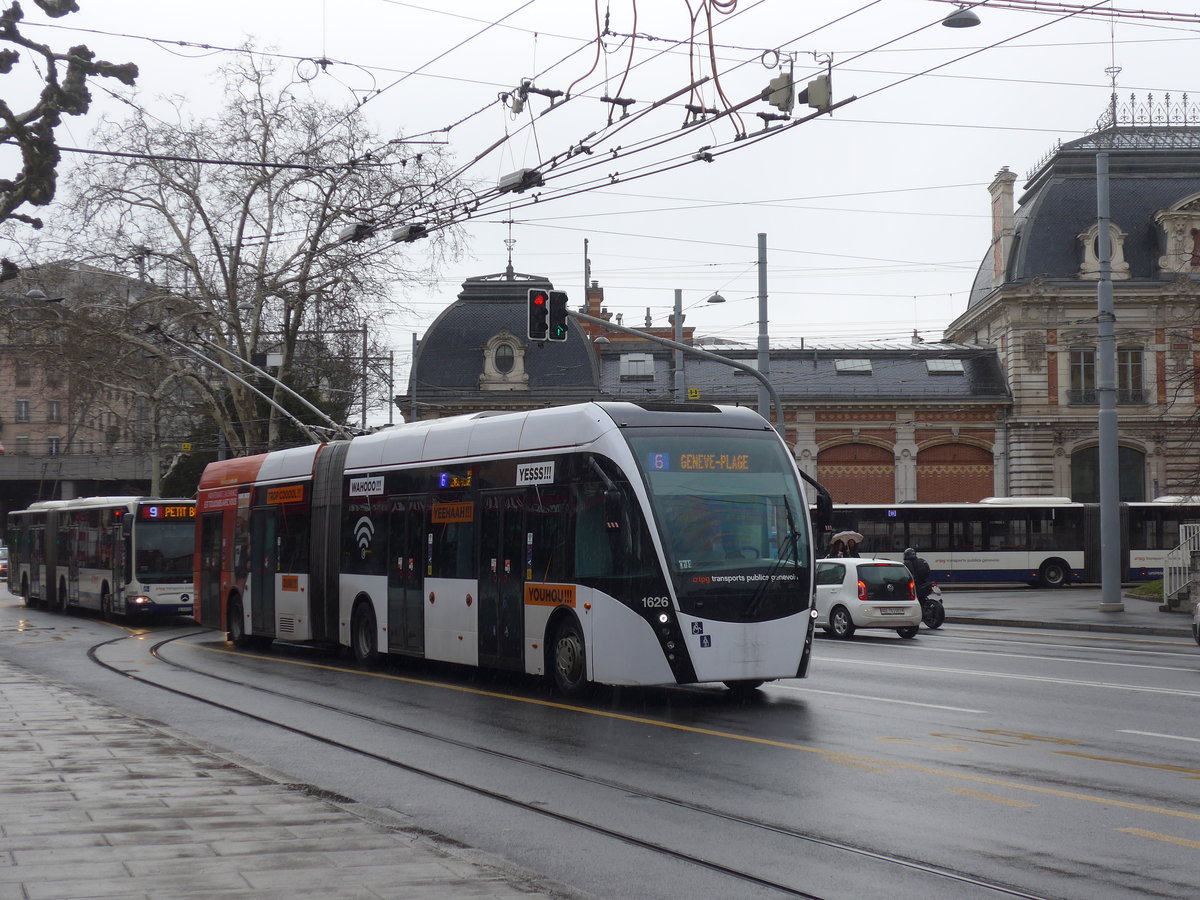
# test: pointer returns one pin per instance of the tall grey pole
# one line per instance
(678, 382)
(764, 344)
(412, 381)
(1106, 395)
(363, 419)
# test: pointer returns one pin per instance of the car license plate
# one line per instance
(893, 610)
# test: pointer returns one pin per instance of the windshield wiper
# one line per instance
(788, 552)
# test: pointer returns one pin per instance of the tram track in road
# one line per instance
(947, 876)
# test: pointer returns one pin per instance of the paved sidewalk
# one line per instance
(1072, 608)
(95, 803)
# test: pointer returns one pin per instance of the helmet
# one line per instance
(909, 552)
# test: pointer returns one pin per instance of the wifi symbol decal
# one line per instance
(364, 531)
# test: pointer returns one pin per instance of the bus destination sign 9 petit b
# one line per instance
(153, 512)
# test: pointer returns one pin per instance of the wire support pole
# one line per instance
(694, 351)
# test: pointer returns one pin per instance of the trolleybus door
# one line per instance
(211, 529)
(406, 573)
(116, 564)
(502, 580)
(264, 561)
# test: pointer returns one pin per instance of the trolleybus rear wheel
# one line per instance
(363, 634)
(568, 659)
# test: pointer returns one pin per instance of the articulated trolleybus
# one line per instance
(120, 556)
(601, 542)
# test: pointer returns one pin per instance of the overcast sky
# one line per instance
(876, 216)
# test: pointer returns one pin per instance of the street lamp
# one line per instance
(764, 341)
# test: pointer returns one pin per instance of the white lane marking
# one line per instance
(1169, 737)
(1176, 692)
(1082, 662)
(807, 690)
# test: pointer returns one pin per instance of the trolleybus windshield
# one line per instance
(729, 509)
(164, 543)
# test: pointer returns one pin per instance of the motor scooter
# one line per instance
(933, 613)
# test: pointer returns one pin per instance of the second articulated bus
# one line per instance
(120, 556)
(606, 542)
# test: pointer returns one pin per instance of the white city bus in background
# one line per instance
(121, 556)
(1032, 540)
(601, 542)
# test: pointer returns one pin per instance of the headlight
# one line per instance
(141, 600)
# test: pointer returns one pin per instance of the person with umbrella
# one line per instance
(845, 543)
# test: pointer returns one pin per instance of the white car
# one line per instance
(1196, 622)
(866, 593)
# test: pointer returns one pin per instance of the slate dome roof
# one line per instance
(449, 358)
(1150, 169)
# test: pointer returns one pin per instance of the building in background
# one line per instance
(68, 426)
(1034, 301)
(1004, 406)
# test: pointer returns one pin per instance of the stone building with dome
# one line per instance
(1034, 300)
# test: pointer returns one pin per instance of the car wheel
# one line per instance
(236, 625)
(1053, 573)
(908, 632)
(363, 631)
(568, 660)
(840, 623)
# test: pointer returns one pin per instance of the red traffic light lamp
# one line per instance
(539, 315)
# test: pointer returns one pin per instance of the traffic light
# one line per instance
(539, 315)
(780, 92)
(558, 316)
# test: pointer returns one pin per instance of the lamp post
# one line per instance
(764, 340)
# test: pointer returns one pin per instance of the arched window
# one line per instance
(505, 359)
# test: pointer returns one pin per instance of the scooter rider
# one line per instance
(919, 570)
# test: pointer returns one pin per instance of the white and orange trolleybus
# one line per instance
(600, 542)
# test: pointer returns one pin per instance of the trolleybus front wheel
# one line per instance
(568, 658)
(237, 625)
(745, 687)
(363, 633)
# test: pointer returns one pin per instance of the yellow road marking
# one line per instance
(979, 795)
(832, 755)
(1184, 770)
(1155, 836)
